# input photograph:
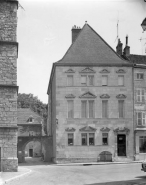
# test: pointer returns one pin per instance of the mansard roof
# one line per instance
(87, 129)
(87, 95)
(89, 47)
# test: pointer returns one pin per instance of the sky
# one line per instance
(44, 33)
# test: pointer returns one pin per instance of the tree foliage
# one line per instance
(32, 102)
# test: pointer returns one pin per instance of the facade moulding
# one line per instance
(10, 43)
(6, 127)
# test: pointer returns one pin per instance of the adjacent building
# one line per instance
(90, 104)
(8, 85)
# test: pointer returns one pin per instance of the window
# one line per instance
(70, 139)
(140, 118)
(140, 95)
(70, 80)
(120, 80)
(87, 138)
(105, 138)
(121, 108)
(30, 119)
(104, 108)
(142, 144)
(70, 108)
(104, 80)
(87, 80)
(139, 76)
(87, 108)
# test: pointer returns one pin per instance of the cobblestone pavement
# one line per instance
(117, 174)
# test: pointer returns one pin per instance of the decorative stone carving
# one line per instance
(121, 96)
(120, 71)
(87, 70)
(70, 71)
(104, 71)
(104, 96)
(105, 129)
(69, 96)
(123, 130)
(87, 95)
(87, 129)
(70, 129)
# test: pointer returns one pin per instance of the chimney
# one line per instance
(127, 48)
(75, 31)
(119, 47)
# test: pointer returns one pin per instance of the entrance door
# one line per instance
(30, 152)
(121, 144)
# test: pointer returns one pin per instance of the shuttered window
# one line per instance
(120, 80)
(70, 108)
(121, 108)
(70, 80)
(87, 109)
(104, 80)
(104, 108)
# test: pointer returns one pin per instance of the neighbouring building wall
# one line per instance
(113, 126)
(8, 85)
(140, 112)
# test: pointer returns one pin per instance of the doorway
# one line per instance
(30, 152)
(121, 144)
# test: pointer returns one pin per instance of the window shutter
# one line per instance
(70, 80)
(104, 80)
(83, 109)
(70, 109)
(91, 108)
(104, 108)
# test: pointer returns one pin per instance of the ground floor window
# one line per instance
(142, 144)
(105, 138)
(70, 139)
(87, 139)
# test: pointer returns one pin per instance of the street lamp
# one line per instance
(143, 24)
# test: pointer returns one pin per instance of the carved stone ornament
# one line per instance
(121, 96)
(123, 130)
(70, 71)
(87, 95)
(70, 129)
(87, 129)
(120, 71)
(105, 129)
(87, 70)
(104, 96)
(69, 96)
(104, 71)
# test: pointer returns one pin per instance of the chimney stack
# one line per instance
(75, 31)
(127, 48)
(119, 47)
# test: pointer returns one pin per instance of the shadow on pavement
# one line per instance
(141, 181)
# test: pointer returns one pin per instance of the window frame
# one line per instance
(119, 76)
(87, 80)
(106, 80)
(72, 116)
(107, 111)
(88, 138)
(68, 80)
(140, 97)
(143, 138)
(123, 110)
(105, 137)
(87, 111)
(70, 138)
(142, 118)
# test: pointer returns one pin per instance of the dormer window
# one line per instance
(30, 119)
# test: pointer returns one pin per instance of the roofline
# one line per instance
(142, 66)
(85, 64)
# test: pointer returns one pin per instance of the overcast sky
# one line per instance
(44, 33)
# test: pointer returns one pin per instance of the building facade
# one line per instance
(8, 85)
(90, 105)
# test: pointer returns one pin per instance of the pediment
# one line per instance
(105, 129)
(120, 71)
(104, 71)
(87, 70)
(104, 96)
(87, 129)
(70, 71)
(69, 96)
(87, 95)
(120, 129)
(121, 96)
(70, 129)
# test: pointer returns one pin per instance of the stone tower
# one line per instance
(8, 85)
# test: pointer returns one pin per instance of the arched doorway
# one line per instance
(105, 156)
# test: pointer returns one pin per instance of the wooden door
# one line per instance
(121, 144)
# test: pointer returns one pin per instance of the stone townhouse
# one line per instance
(8, 85)
(139, 84)
(90, 104)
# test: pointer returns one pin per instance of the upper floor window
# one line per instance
(87, 108)
(70, 80)
(140, 118)
(104, 80)
(139, 76)
(70, 108)
(105, 108)
(121, 108)
(87, 80)
(120, 80)
(140, 95)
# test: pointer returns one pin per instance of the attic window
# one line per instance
(30, 120)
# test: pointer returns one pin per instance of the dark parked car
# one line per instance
(143, 166)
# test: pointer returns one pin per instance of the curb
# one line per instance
(16, 177)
